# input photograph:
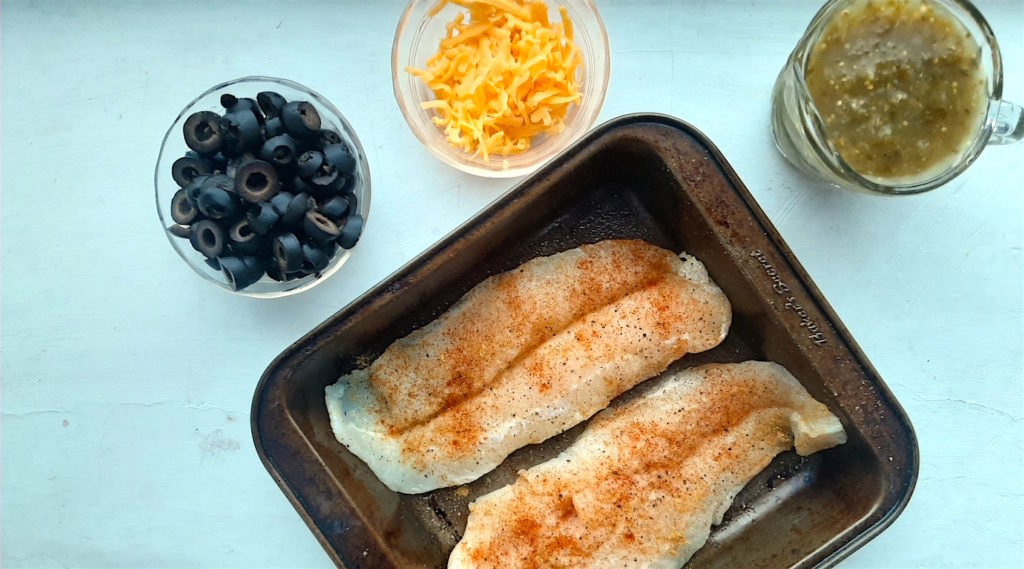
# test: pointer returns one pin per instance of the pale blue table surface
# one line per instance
(127, 380)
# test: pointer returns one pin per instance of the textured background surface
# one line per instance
(127, 380)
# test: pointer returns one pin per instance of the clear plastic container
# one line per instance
(174, 147)
(417, 39)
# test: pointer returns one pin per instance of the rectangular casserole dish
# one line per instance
(639, 176)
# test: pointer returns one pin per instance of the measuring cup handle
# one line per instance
(1008, 124)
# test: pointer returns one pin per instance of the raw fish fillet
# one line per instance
(644, 483)
(524, 356)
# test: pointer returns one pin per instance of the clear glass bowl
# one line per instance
(174, 147)
(416, 40)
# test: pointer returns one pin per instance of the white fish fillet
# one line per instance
(524, 356)
(645, 482)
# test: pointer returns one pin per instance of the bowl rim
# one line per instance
(363, 164)
(447, 153)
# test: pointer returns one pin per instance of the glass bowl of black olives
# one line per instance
(262, 187)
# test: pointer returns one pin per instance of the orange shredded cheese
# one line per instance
(503, 77)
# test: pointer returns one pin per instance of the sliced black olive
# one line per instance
(339, 156)
(279, 151)
(237, 162)
(280, 202)
(192, 189)
(188, 168)
(182, 210)
(219, 163)
(319, 228)
(262, 218)
(336, 187)
(241, 132)
(335, 208)
(353, 202)
(239, 273)
(227, 100)
(273, 127)
(241, 232)
(242, 239)
(324, 178)
(212, 263)
(271, 103)
(247, 104)
(315, 258)
(222, 181)
(202, 132)
(178, 231)
(351, 232)
(299, 185)
(255, 262)
(309, 163)
(256, 182)
(300, 119)
(296, 209)
(216, 198)
(274, 272)
(208, 238)
(288, 252)
(327, 137)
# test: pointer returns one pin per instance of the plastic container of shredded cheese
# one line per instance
(418, 39)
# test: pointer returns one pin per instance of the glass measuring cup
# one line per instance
(801, 137)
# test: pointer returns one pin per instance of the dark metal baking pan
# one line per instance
(639, 176)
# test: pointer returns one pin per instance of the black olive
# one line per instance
(300, 119)
(207, 237)
(273, 127)
(227, 100)
(325, 178)
(335, 187)
(202, 132)
(242, 239)
(219, 180)
(353, 202)
(256, 182)
(216, 198)
(299, 186)
(288, 252)
(274, 272)
(247, 104)
(319, 228)
(327, 137)
(339, 156)
(280, 202)
(212, 263)
(192, 189)
(279, 151)
(240, 131)
(271, 103)
(309, 163)
(262, 218)
(219, 163)
(182, 210)
(239, 273)
(335, 208)
(315, 258)
(178, 231)
(188, 168)
(351, 231)
(296, 209)
(237, 162)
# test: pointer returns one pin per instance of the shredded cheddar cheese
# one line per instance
(503, 77)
